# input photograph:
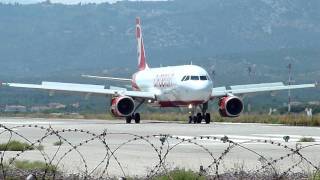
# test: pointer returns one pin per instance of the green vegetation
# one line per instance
(58, 143)
(307, 139)
(18, 146)
(315, 176)
(31, 165)
(180, 174)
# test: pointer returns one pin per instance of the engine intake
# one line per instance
(122, 106)
(230, 106)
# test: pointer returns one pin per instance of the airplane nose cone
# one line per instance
(202, 90)
(202, 86)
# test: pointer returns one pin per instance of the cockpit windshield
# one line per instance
(203, 78)
(195, 78)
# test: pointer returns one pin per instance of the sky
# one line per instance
(67, 1)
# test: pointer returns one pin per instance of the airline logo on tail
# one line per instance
(142, 62)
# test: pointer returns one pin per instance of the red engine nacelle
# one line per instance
(122, 106)
(230, 106)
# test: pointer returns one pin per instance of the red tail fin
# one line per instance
(142, 61)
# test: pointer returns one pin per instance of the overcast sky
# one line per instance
(67, 1)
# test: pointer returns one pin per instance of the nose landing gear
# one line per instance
(199, 117)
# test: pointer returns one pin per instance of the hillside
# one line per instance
(59, 42)
(51, 38)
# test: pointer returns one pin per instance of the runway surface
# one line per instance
(138, 152)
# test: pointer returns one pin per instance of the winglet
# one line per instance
(142, 61)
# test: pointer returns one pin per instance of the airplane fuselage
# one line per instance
(175, 85)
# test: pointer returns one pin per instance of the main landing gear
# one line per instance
(135, 116)
(199, 117)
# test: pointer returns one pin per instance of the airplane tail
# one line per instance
(142, 61)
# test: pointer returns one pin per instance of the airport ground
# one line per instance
(193, 145)
(294, 119)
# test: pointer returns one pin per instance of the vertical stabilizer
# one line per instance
(142, 61)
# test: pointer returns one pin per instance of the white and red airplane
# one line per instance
(173, 86)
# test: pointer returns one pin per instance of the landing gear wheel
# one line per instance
(136, 117)
(199, 118)
(128, 119)
(190, 119)
(194, 119)
(207, 118)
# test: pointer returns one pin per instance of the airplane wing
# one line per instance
(254, 88)
(82, 88)
(106, 78)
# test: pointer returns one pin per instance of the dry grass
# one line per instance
(292, 120)
(180, 174)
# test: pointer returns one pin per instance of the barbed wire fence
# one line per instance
(162, 147)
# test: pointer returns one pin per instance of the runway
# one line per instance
(137, 149)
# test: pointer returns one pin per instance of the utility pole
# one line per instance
(250, 73)
(289, 83)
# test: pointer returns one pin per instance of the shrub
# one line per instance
(315, 176)
(27, 165)
(306, 139)
(58, 143)
(18, 146)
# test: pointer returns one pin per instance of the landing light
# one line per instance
(149, 101)
(190, 106)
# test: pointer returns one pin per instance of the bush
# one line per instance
(18, 146)
(27, 165)
(58, 143)
(307, 139)
(315, 176)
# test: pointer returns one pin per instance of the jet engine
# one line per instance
(230, 106)
(122, 106)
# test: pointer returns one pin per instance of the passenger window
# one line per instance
(187, 78)
(203, 78)
(194, 77)
(184, 77)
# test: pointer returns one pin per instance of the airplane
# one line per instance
(173, 86)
